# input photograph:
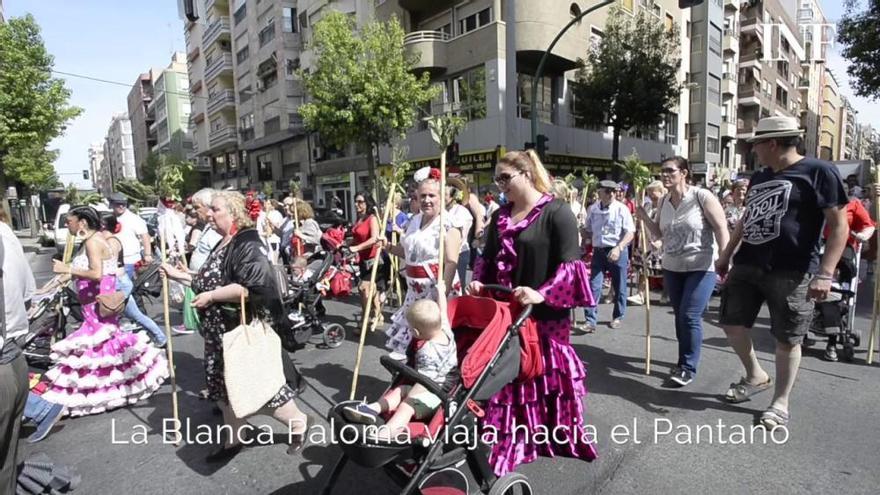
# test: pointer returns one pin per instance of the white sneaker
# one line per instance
(181, 330)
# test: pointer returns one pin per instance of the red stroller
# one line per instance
(446, 454)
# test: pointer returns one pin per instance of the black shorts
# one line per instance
(785, 292)
(365, 268)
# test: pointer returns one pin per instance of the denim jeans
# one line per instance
(689, 294)
(598, 267)
(133, 312)
(36, 408)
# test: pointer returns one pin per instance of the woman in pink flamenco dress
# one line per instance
(99, 367)
(532, 247)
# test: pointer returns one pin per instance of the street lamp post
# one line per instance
(540, 71)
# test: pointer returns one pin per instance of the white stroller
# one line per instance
(834, 318)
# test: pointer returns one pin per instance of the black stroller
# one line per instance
(302, 303)
(446, 454)
(834, 318)
(47, 323)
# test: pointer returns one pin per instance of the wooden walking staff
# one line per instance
(876, 313)
(294, 191)
(370, 295)
(170, 347)
(395, 270)
(646, 295)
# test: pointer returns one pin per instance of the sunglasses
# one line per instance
(359, 201)
(668, 171)
(501, 179)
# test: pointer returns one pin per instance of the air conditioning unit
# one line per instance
(260, 85)
(317, 152)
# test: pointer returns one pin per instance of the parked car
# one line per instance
(59, 228)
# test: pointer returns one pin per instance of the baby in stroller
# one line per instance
(436, 357)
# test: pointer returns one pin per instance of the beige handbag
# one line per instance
(253, 370)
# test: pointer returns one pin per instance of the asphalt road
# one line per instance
(666, 440)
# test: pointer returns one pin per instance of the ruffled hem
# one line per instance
(569, 287)
(67, 377)
(120, 350)
(81, 402)
(82, 339)
(550, 403)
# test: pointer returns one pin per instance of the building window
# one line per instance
(268, 32)
(469, 94)
(475, 21)
(712, 139)
(242, 54)
(264, 167)
(546, 96)
(670, 22)
(781, 96)
(671, 129)
(288, 22)
(714, 39)
(245, 94)
(246, 127)
(240, 14)
(627, 4)
(657, 11)
(714, 90)
(595, 39)
(271, 126)
(695, 94)
(694, 142)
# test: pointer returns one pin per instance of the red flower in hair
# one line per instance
(434, 174)
(168, 202)
(252, 206)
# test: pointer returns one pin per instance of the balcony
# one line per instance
(222, 136)
(221, 100)
(219, 29)
(728, 128)
(749, 94)
(430, 48)
(753, 28)
(731, 40)
(804, 83)
(218, 66)
(222, 5)
(728, 84)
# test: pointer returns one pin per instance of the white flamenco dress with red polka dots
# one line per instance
(100, 366)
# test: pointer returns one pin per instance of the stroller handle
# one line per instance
(523, 315)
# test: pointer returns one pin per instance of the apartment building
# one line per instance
(770, 70)
(212, 121)
(728, 163)
(171, 108)
(96, 157)
(141, 119)
(865, 140)
(266, 48)
(815, 36)
(847, 131)
(119, 152)
(482, 56)
(829, 129)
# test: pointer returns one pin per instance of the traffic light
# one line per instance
(452, 154)
(542, 145)
(529, 145)
(86, 174)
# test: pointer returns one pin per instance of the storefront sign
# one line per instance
(467, 162)
(600, 167)
(333, 179)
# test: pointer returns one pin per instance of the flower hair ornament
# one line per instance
(426, 173)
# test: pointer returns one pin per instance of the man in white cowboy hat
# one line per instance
(778, 261)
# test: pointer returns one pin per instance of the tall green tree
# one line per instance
(859, 33)
(362, 88)
(630, 80)
(34, 106)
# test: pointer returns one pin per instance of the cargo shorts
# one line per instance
(785, 292)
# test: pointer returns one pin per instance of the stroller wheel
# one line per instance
(848, 352)
(856, 338)
(511, 484)
(334, 334)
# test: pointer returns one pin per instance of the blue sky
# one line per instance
(118, 39)
(114, 40)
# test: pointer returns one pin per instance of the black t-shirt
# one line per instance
(784, 215)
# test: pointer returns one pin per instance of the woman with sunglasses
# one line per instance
(365, 234)
(690, 221)
(532, 247)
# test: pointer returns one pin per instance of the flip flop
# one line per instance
(773, 417)
(743, 391)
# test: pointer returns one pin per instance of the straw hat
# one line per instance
(776, 127)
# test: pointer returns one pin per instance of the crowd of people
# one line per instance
(758, 241)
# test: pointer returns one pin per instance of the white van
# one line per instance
(60, 226)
